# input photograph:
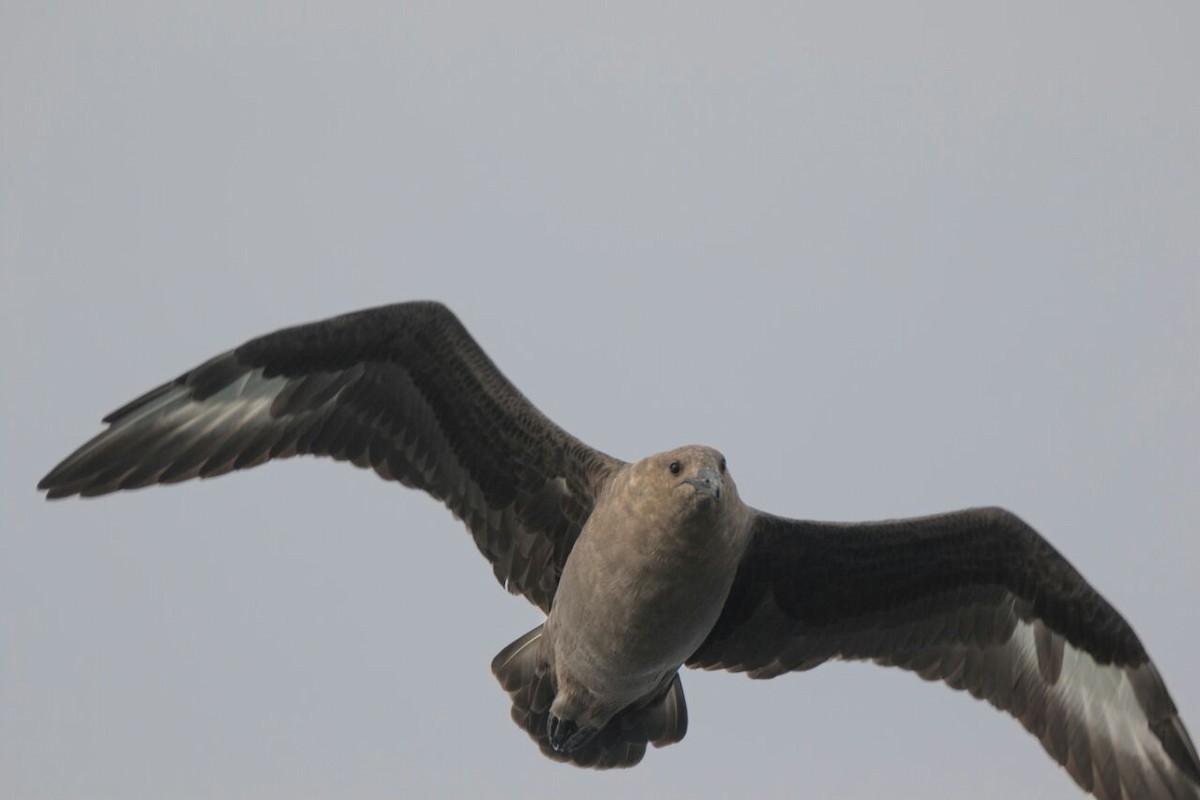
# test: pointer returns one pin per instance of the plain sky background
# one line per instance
(891, 258)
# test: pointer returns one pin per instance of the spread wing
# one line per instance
(976, 599)
(403, 389)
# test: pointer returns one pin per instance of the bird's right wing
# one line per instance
(976, 599)
(403, 389)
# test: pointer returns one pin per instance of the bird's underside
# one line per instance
(975, 598)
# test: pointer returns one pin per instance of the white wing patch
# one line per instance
(1095, 711)
(1091, 718)
(174, 433)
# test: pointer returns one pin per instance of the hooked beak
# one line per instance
(708, 483)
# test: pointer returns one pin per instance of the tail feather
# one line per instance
(523, 670)
(666, 719)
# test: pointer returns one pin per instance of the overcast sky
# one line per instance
(891, 258)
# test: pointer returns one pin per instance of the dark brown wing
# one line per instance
(403, 389)
(976, 599)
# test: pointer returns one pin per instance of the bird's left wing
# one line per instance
(976, 599)
(403, 389)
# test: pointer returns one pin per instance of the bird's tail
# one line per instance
(523, 670)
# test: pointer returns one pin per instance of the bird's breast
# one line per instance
(636, 599)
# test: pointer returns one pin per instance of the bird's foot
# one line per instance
(565, 736)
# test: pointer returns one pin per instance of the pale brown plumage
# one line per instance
(645, 567)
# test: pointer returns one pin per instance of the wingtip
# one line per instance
(1175, 740)
(52, 488)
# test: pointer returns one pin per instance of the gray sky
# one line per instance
(891, 258)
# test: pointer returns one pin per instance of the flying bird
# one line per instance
(642, 568)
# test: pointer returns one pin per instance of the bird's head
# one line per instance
(696, 477)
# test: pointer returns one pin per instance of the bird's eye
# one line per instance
(722, 465)
(675, 466)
